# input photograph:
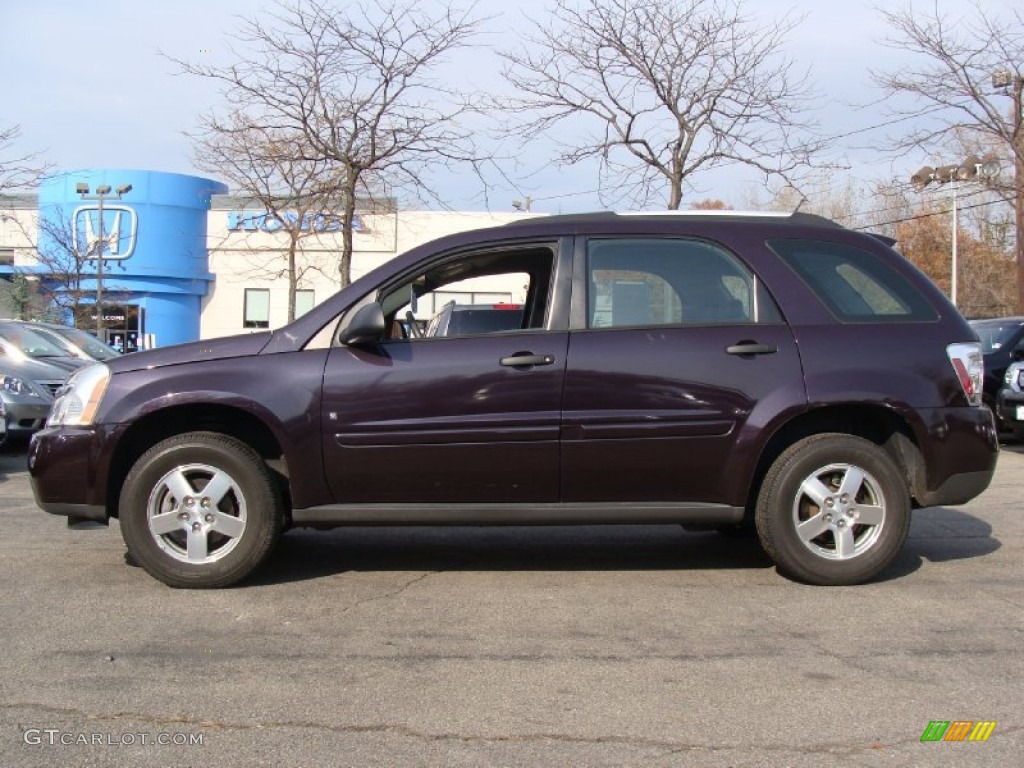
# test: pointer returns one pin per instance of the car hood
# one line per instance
(32, 369)
(212, 349)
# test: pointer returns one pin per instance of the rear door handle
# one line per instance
(752, 348)
(524, 359)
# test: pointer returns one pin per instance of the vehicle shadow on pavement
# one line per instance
(304, 554)
(936, 535)
(939, 535)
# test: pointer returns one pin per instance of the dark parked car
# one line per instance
(1002, 342)
(778, 371)
(1010, 400)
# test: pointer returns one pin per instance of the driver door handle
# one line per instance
(752, 348)
(524, 359)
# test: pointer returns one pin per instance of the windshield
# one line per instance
(30, 342)
(88, 343)
(994, 334)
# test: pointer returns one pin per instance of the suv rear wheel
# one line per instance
(200, 510)
(833, 510)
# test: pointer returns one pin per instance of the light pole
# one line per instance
(969, 169)
(102, 192)
(1014, 83)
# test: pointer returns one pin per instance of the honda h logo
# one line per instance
(120, 225)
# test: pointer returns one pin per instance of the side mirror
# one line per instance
(1018, 354)
(366, 326)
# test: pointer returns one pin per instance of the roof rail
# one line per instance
(780, 217)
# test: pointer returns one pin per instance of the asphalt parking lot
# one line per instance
(586, 646)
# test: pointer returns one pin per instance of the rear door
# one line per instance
(678, 359)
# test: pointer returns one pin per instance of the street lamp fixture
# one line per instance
(102, 193)
(969, 170)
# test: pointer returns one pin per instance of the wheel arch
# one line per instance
(885, 426)
(150, 429)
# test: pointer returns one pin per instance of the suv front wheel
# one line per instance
(200, 510)
(833, 510)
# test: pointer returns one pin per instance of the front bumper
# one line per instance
(69, 468)
(1010, 406)
(24, 418)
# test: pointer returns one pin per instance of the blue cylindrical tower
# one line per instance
(154, 242)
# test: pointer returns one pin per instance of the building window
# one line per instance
(303, 302)
(256, 313)
(6, 257)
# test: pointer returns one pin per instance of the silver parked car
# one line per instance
(19, 342)
(74, 341)
(27, 389)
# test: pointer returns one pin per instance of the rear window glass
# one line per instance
(856, 285)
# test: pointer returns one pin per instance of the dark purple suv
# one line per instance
(776, 372)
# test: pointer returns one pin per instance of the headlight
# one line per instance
(15, 386)
(79, 399)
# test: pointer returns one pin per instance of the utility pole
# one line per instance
(1014, 82)
(102, 192)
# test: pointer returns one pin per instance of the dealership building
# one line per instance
(182, 259)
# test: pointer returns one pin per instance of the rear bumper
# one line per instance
(960, 449)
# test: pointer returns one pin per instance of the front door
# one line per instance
(465, 418)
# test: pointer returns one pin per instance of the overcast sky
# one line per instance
(86, 83)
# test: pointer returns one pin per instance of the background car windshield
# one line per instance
(30, 342)
(89, 343)
(994, 334)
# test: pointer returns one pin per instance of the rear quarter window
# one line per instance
(856, 285)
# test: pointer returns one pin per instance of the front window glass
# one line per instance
(473, 294)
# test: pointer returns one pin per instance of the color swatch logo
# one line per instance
(958, 730)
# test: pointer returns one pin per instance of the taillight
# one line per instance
(969, 365)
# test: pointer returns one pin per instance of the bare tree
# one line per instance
(260, 163)
(61, 272)
(353, 91)
(967, 67)
(17, 170)
(657, 92)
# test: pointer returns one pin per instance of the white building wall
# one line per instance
(257, 259)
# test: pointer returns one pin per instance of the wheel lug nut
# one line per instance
(196, 527)
(189, 501)
(842, 523)
(209, 518)
(828, 518)
(183, 515)
(830, 502)
(205, 503)
(844, 498)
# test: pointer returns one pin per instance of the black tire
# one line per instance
(198, 541)
(847, 539)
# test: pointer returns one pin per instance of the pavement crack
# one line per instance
(393, 593)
